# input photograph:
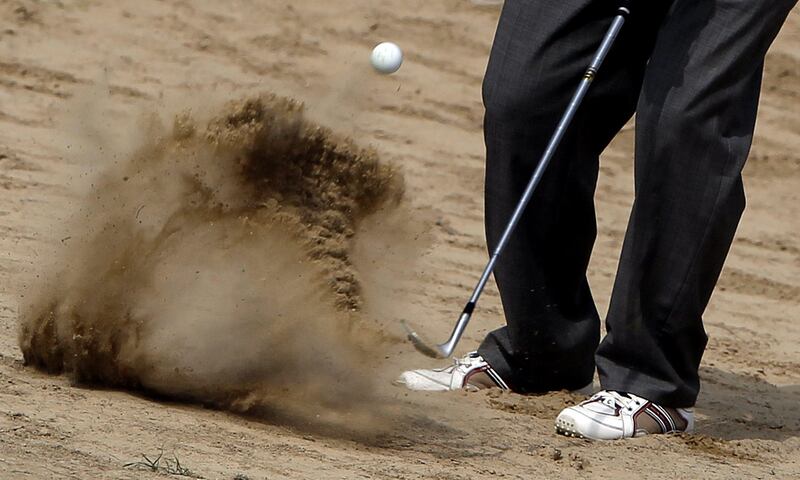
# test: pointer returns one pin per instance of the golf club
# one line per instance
(445, 349)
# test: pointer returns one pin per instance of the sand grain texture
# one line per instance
(74, 70)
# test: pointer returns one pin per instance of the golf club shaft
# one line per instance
(446, 349)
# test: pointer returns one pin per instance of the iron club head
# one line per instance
(423, 347)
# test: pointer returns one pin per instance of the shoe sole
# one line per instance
(567, 429)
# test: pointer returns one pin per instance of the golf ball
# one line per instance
(386, 57)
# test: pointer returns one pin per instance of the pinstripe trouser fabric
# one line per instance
(691, 71)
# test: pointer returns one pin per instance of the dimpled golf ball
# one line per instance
(386, 58)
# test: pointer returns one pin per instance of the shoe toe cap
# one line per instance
(578, 422)
(566, 424)
(418, 380)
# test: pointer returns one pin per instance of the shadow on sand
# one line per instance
(735, 406)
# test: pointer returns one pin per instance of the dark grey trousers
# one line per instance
(691, 70)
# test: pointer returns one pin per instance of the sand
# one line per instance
(214, 263)
(79, 85)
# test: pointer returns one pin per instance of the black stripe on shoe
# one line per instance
(654, 414)
(496, 378)
(672, 426)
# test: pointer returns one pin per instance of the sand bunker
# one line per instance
(214, 263)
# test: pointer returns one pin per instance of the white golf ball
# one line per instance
(386, 57)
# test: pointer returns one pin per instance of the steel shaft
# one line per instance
(446, 349)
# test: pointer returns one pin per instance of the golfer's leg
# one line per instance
(541, 50)
(695, 123)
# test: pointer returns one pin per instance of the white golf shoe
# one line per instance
(470, 372)
(610, 415)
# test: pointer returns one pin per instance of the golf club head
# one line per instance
(425, 348)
